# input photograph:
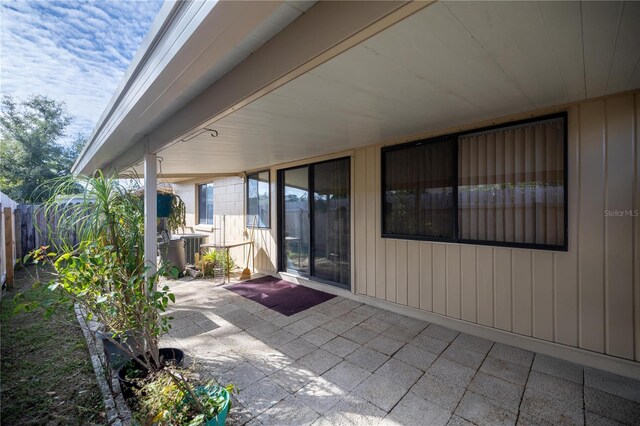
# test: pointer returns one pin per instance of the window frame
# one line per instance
(198, 186)
(246, 198)
(453, 137)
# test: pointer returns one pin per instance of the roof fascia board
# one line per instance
(161, 23)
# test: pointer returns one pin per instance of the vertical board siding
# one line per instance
(587, 297)
(566, 264)
(522, 291)
(468, 274)
(360, 262)
(502, 289)
(413, 274)
(426, 277)
(380, 280)
(390, 270)
(401, 272)
(371, 218)
(484, 277)
(591, 232)
(439, 265)
(618, 239)
(453, 291)
(543, 304)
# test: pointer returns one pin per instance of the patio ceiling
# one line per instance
(449, 64)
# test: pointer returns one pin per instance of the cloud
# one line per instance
(75, 52)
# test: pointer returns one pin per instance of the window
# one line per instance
(258, 199)
(419, 187)
(205, 204)
(501, 186)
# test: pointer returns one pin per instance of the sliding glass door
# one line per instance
(295, 221)
(331, 221)
(315, 227)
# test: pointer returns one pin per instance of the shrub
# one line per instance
(216, 259)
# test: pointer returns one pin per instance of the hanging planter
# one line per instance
(165, 201)
(170, 206)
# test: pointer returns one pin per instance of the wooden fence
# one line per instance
(8, 246)
(35, 229)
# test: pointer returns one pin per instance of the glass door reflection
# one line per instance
(331, 221)
(295, 220)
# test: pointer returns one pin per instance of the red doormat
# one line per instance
(279, 295)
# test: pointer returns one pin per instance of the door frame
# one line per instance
(279, 219)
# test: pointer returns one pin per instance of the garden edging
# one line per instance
(117, 411)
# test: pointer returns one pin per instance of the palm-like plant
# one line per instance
(106, 212)
(105, 272)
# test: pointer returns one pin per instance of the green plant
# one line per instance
(107, 213)
(177, 215)
(163, 401)
(128, 306)
(215, 259)
(104, 276)
(32, 151)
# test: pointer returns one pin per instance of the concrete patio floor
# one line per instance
(347, 363)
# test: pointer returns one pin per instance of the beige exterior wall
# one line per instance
(228, 202)
(587, 297)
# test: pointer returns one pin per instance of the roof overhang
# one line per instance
(190, 45)
(348, 74)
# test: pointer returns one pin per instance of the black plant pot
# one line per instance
(116, 357)
(131, 374)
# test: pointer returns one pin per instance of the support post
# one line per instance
(150, 213)
(8, 246)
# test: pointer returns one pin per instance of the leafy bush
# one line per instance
(106, 277)
(105, 274)
(216, 259)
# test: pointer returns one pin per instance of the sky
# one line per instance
(74, 51)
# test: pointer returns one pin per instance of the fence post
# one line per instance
(8, 245)
(18, 233)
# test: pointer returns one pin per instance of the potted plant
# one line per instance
(105, 273)
(164, 401)
(105, 278)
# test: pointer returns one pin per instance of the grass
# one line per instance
(46, 373)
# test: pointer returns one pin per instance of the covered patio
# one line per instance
(346, 363)
(531, 107)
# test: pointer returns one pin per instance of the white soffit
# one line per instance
(286, 13)
(449, 64)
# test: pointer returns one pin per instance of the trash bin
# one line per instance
(174, 254)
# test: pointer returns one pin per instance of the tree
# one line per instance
(31, 152)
